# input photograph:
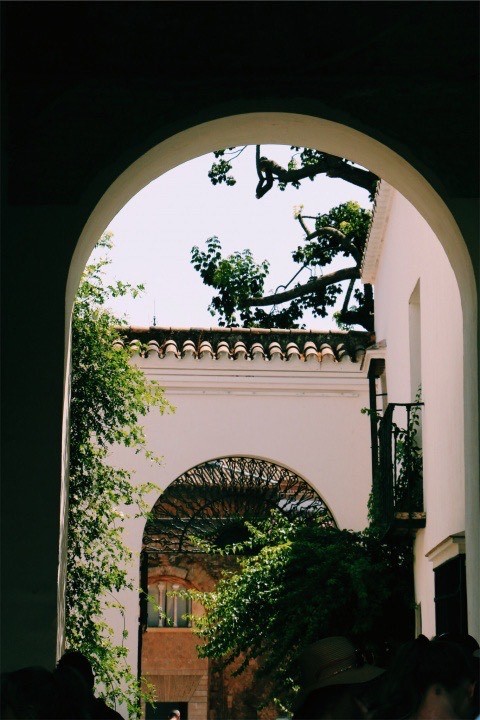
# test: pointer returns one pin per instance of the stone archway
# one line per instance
(338, 139)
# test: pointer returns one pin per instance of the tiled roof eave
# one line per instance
(250, 347)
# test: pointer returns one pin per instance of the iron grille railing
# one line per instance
(213, 500)
(399, 474)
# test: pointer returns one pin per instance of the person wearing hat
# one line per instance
(333, 678)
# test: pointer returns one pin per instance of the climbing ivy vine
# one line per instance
(108, 396)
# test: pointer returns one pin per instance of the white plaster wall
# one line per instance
(306, 420)
(411, 252)
(309, 422)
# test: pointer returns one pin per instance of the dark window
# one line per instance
(451, 596)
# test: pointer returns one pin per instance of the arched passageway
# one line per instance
(211, 502)
(99, 112)
(337, 139)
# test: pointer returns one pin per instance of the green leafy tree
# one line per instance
(108, 395)
(236, 277)
(341, 232)
(299, 581)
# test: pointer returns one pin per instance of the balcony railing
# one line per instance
(398, 470)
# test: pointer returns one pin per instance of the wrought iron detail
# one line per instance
(400, 490)
(213, 500)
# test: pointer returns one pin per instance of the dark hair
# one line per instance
(467, 642)
(418, 665)
(77, 660)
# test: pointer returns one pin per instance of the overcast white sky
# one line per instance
(155, 231)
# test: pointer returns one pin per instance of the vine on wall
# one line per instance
(108, 396)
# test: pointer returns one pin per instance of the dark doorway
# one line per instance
(161, 710)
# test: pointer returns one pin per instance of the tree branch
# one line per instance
(265, 181)
(304, 227)
(257, 164)
(348, 295)
(361, 315)
(332, 166)
(306, 289)
(338, 235)
(234, 155)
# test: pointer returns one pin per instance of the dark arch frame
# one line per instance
(60, 128)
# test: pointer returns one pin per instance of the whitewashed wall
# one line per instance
(408, 252)
(308, 418)
(305, 416)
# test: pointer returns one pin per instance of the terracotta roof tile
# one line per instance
(247, 344)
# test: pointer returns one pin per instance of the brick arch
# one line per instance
(170, 573)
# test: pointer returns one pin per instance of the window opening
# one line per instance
(451, 596)
(166, 608)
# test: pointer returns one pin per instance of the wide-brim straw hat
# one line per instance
(332, 661)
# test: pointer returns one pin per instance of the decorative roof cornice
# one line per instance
(247, 344)
(373, 246)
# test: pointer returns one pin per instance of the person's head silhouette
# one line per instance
(77, 660)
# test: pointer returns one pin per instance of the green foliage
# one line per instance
(409, 455)
(108, 395)
(408, 489)
(350, 219)
(299, 581)
(238, 278)
(218, 173)
(376, 517)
